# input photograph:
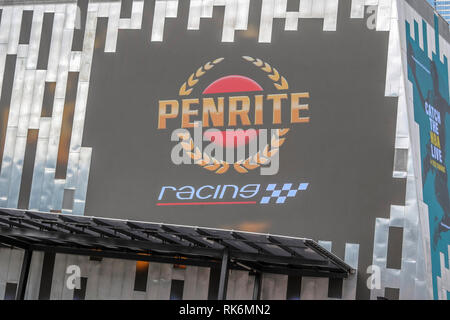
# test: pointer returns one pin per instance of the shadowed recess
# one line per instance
(5, 100)
(67, 124)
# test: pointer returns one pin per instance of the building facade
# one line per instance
(443, 7)
(318, 119)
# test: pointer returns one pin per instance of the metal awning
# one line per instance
(184, 245)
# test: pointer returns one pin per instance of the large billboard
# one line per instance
(264, 115)
(427, 73)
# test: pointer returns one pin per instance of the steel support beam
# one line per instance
(143, 245)
(14, 242)
(257, 287)
(24, 273)
(172, 259)
(223, 281)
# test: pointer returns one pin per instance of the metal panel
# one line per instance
(34, 279)
(190, 283)
(314, 288)
(39, 166)
(165, 282)
(92, 288)
(117, 279)
(128, 281)
(154, 279)
(349, 285)
(159, 20)
(202, 283)
(55, 47)
(5, 254)
(241, 290)
(113, 26)
(274, 287)
(67, 293)
(59, 277)
(15, 264)
(105, 279)
(5, 25)
(14, 31)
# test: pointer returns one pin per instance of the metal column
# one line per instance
(257, 287)
(223, 281)
(22, 286)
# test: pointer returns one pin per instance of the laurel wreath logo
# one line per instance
(189, 85)
(272, 73)
(242, 166)
(278, 80)
(252, 162)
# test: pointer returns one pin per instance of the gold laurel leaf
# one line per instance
(183, 91)
(275, 76)
(261, 160)
(190, 154)
(187, 146)
(283, 86)
(267, 68)
(256, 158)
(250, 166)
(183, 136)
(272, 153)
(198, 154)
(206, 158)
(199, 72)
(191, 81)
(266, 151)
(282, 132)
(208, 66)
(219, 60)
(212, 167)
(258, 63)
(239, 169)
(225, 167)
(202, 163)
(248, 58)
(276, 143)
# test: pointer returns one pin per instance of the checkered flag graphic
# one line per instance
(279, 196)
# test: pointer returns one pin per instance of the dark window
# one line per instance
(176, 290)
(335, 288)
(68, 199)
(10, 291)
(95, 258)
(125, 9)
(140, 281)
(47, 276)
(213, 290)
(49, 97)
(67, 124)
(401, 160)
(80, 294)
(398, 191)
(392, 293)
(28, 168)
(25, 29)
(294, 287)
(394, 254)
(5, 99)
(293, 5)
(80, 25)
(46, 37)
